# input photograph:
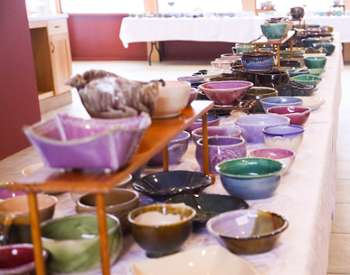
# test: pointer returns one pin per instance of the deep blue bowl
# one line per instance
(258, 61)
(274, 101)
(327, 46)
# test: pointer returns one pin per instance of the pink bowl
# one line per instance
(297, 115)
(225, 92)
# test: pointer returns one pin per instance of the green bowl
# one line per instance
(73, 242)
(307, 79)
(315, 62)
(316, 72)
(274, 31)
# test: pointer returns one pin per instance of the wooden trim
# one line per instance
(58, 5)
(151, 6)
(250, 5)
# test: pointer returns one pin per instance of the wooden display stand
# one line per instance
(155, 139)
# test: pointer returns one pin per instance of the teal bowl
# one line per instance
(327, 46)
(250, 178)
(73, 242)
(274, 31)
(307, 79)
(315, 62)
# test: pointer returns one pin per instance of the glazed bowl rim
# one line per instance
(247, 85)
(306, 110)
(291, 156)
(194, 131)
(199, 142)
(294, 99)
(244, 124)
(300, 130)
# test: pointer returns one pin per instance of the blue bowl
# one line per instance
(258, 61)
(274, 101)
(327, 46)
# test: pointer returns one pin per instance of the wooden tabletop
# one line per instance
(155, 139)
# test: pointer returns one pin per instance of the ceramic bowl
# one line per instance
(327, 46)
(221, 64)
(286, 157)
(307, 79)
(317, 72)
(193, 96)
(220, 149)
(286, 136)
(230, 56)
(15, 214)
(191, 79)
(315, 62)
(209, 205)
(18, 259)
(163, 185)
(217, 131)
(252, 125)
(258, 61)
(297, 13)
(241, 48)
(73, 242)
(290, 63)
(207, 260)
(314, 102)
(250, 178)
(274, 31)
(6, 194)
(277, 101)
(275, 78)
(119, 202)
(257, 93)
(310, 41)
(297, 115)
(213, 120)
(161, 237)
(177, 147)
(248, 231)
(225, 92)
(297, 89)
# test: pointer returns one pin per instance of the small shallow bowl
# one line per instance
(119, 202)
(277, 101)
(213, 120)
(258, 61)
(257, 93)
(315, 62)
(18, 259)
(327, 46)
(307, 79)
(248, 231)
(209, 205)
(225, 92)
(157, 237)
(252, 125)
(220, 149)
(274, 31)
(297, 115)
(73, 242)
(177, 147)
(163, 185)
(250, 178)
(297, 89)
(286, 157)
(286, 136)
(217, 131)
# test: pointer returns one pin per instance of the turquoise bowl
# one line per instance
(73, 242)
(315, 62)
(327, 46)
(307, 79)
(250, 178)
(274, 31)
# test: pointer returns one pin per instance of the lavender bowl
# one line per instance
(68, 142)
(274, 101)
(213, 120)
(221, 149)
(217, 131)
(177, 147)
(284, 136)
(225, 92)
(252, 125)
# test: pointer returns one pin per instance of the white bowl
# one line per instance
(278, 137)
(314, 102)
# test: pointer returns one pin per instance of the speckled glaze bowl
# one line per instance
(213, 120)
(258, 61)
(277, 101)
(257, 93)
(315, 62)
(297, 115)
(250, 178)
(73, 242)
(285, 136)
(274, 31)
(217, 131)
(248, 231)
(297, 89)
(220, 149)
(162, 239)
(307, 79)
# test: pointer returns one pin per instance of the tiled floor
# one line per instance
(339, 257)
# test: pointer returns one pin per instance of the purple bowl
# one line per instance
(213, 120)
(193, 96)
(6, 194)
(225, 92)
(221, 149)
(68, 142)
(283, 130)
(217, 131)
(252, 125)
(177, 147)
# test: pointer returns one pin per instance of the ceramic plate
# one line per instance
(314, 102)
(211, 260)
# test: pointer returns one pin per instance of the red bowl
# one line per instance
(297, 114)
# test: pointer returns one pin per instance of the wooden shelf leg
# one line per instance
(36, 233)
(278, 56)
(205, 144)
(165, 155)
(102, 227)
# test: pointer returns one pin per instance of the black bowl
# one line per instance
(275, 78)
(163, 185)
(297, 13)
(296, 89)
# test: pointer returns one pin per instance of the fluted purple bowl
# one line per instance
(252, 125)
(177, 147)
(74, 143)
(217, 131)
(221, 149)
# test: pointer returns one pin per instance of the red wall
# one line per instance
(19, 104)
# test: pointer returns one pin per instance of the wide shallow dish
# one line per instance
(252, 125)
(166, 184)
(286, 136)
(220, 149)
(258, 61)
(177, 147)
(70, 142)
(209, 205)
(277, 101)
(217, 131)
(250, 178)
(257, 93)
(315, 62)
(274, 31)
(248, 231)
(156, 233)
(209, 260)
(73, 242)
(307, 79)
(297, 115)
(225, 92)
(18, 259)
(213, 120)
(286, 157)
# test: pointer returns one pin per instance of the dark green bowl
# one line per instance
(274, 31)
(307, 79)
(327, 46)
(315, 62)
